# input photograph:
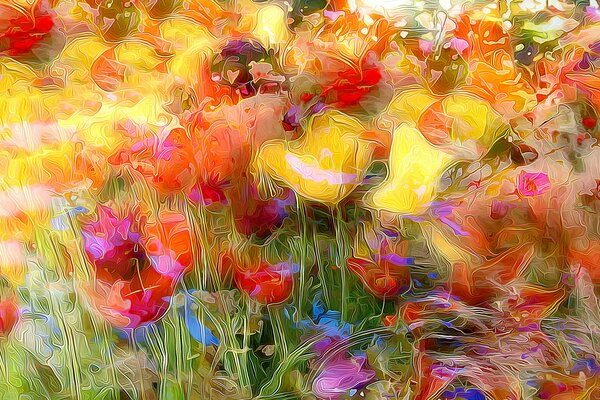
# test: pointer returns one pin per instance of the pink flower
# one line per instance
(340, 375)
(531, 184)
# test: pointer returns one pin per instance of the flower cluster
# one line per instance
(205, 199)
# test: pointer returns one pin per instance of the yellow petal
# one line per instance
(474, 119)
(415, 168)
(191, 43)
(271, 27)
(410, 104)
(326, 164)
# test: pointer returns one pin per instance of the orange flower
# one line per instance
(168, 243)
(266, 283)
(168, 165)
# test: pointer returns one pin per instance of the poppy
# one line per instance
(323, 165)
(415, 169)
(168, 165)
(256, 216)
(135, 271)
(266, 283)
(168, 243)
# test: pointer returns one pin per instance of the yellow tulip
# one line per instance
(324, 165)
(414, 170)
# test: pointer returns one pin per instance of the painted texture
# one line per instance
(304, 199)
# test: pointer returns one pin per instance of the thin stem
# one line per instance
(341, 259)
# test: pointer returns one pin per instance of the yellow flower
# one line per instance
(414, 170)
(472, 119)
(453, 119)
(326, 164)
(409, 105)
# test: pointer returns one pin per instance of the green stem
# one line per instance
(341, 259)
(302, 231)
(133, 345)
(278, 331)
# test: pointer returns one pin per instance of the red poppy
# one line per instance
(129, 303)
(266, 283)
(207, 193)
(135, 271)
(386, 278)
(223, 153)
(9, 315)
(21, 32)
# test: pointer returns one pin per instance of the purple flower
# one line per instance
(593, 13)
(339, 375)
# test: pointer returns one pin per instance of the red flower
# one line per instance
(267, 284)
(9, 315)
(135, 271)
(254, 215)
(20, 32)
(168, 165)
(352, 86)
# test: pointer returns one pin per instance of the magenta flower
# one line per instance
(531, 184)
(340, 375)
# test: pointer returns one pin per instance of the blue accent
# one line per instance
(462, 394)
(197, 330)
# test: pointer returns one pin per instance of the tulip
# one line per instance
(325, 164)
